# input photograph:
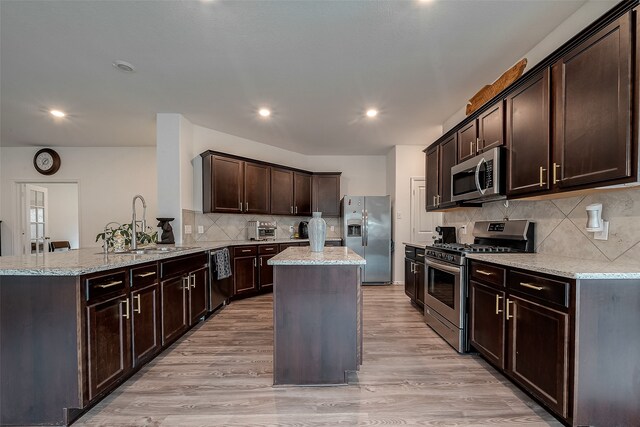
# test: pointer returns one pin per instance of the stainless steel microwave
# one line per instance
(478, 178)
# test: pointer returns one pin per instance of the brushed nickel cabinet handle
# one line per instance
(509, 316)
(185, 287)
(150, 273)
(434, 201)
(555, 173)
(471, 147)
(255, 262)
(137, 309)
(530, 286)
(291, 209)
(240, 206)
(498, 298)
(246, 250)
(110, 284)
(246, 206)
(542, 171)
(126, 308)
(486, 273)
(192, 280)
(260, 262)
(296, 210)
(420, 255)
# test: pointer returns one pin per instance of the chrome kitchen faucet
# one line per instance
(134, 237)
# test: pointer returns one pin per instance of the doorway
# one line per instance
(423, 223)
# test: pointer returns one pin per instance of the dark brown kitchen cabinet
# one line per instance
(257, 188)
(281, 191)
(265, 274)
(487, 323)
(245, 270)
(173, 294)
(491, 128)
(108, 343)
(467, 141)
(326, 194)
(528, 132)
(409, 279)
(223, 184)
(439, 161)
(539, 351)
(592, 108)
(414, 274)
(146, 324)
(301, 193)
(198, 285)
(418, 273)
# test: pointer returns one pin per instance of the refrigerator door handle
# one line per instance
(365, 226)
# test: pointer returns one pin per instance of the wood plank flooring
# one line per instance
(220, 374)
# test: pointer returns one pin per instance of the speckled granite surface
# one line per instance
(573, 268)
(330, 256)
(90, 260)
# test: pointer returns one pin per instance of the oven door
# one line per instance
(443, 291)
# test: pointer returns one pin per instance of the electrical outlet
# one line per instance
(463, 229)
(187, 229)
(398, 215)
(333, 228)
(200, 229)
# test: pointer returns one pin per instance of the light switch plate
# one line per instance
(200, 229)
(398, 215)
(333, 228)
(187, 229)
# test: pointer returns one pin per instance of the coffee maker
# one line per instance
(303, 230)
(445, 235)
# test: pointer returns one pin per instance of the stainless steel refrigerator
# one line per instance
(366, 229)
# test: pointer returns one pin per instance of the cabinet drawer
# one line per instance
(546, 289)
(144, 275)
(267, 249)
(419, 255)
(487, 273)
(183, 265)
(410, 252)
(109, 283)
(245, 251)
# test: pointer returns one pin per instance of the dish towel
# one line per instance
(223, 265)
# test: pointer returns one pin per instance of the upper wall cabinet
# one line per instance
(592, 108)
(483, 133)
(528, 145)
(440, 159)
(326, 194)
(235, 186)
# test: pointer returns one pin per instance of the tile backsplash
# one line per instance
(560, 224)
(221, 227)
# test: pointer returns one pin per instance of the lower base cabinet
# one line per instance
(414, 274)
(198, 287)
(488, 322)
(174, 299)
(146, 323)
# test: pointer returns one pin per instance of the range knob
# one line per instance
(450, 257)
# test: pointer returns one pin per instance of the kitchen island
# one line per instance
(317, 316)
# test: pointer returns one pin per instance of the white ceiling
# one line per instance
(317, 64)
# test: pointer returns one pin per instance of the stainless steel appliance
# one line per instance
(446, 274)
(261, 230)
(366, 229)
(479, 178)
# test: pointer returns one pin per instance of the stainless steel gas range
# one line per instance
(446, 281)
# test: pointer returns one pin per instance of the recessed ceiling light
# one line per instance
(57, 113)
(372, 112)
(124, 66)
(264, 112)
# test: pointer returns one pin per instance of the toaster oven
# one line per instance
(261, 230)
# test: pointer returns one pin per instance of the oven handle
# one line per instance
(447, 268)
(478, 176)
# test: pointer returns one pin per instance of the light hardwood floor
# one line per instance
(220, 374)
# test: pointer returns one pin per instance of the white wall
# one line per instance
(107, 177)
(584, 16)
(64, 222)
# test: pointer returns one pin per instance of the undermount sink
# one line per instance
(154, 250)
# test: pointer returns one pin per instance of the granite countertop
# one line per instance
(91, 260)
(573, 268)
(304, 256)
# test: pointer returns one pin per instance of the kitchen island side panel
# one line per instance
(39, 346)
(317, 329)
(607, 372)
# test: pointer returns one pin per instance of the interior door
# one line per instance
(423, 223)
(35, 214)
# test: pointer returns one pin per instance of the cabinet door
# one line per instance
(467, 141)
(487, 328)
(409, 279)
(109, 341)
(198, 284)
(146, 323)
(266, 271)
(173, 293)
(244, 270)
(491, 128)
(447, 160)
(418, 282)
(301, 193)
(257, 188)
(592, 111)
(432, 178)
(538, 351)
(227, 182)
(326, 195)
(528, 136)
(281, 191)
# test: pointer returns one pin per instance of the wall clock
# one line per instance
(46, 161)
